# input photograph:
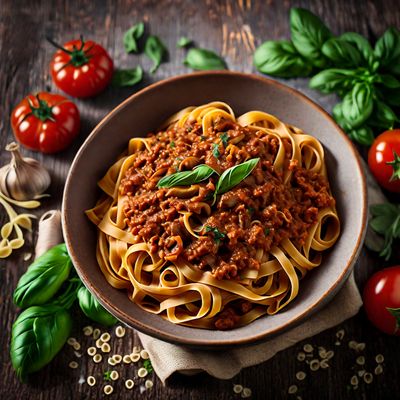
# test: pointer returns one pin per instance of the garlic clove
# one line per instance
(23, 178)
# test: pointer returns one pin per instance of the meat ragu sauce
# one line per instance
(258, 213)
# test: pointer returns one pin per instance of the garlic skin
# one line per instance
(23, 178)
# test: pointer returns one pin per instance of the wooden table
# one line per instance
(230, 28)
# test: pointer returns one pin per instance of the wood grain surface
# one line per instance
(233, 29)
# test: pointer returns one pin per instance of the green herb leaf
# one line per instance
(396, 314)
(361, 44)
(388, 81)
(234, 175)
(357, 105)
(218, 235)
(391, 97)
(333, 80)
(387, 50)
(267, 231)
(38, 334)
(280, 58)
(337, 113)
(309, 33)
(362, 134)
(203, 59)
(172, 144)
(93, 309)
(215, 150)
(383, 116)
(186, 178)
(131, 37)
(341, 53)
(184, 42)
(386, 222)
(148, 366)
(43, 278)
(156, 51)
(224, 138)
(127, 77)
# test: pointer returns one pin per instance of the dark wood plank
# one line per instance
(229, 27)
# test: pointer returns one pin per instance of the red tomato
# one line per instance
(46, 122)
(81, 69)
(382, 292)
(384, 160)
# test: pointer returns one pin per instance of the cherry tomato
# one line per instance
(46, 122)
(81, 69)
(384, 160)
(382, 300)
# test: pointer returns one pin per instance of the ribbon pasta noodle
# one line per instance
(224, 263)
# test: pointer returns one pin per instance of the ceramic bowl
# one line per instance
(144, 112)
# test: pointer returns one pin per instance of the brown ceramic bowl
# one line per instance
(145, 111)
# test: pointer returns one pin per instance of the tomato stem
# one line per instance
(78, 56)
(396, 166)
(43, 111)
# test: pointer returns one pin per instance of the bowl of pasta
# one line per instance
(215, 209)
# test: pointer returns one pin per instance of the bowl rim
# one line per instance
(215, 344)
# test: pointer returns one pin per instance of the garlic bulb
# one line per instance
(23, 178)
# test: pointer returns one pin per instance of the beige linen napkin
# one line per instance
(168, 358)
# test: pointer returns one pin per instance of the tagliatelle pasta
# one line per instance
(201, 256)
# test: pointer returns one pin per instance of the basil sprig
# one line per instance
(156, 51)
(186, 178)
(127, 77)
(131, 36)
(43, 278)
(184, 42)
(203, 59)
(49, 287)
(366, 79)
(386, 222)
(234, 175)
(93, 309)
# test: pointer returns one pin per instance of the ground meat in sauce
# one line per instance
(258, 213)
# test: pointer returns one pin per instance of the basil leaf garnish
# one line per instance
(43, 278)
(281, 59)
(234, 175)
(341, 53)
(156, 51)
(93, 309)
(382, 116)
(186, 178)
(203, 59)
(309, 33)
(127, 77)
(38, 334)
(361, 44)
(184, 42)
(388, 81)
(333, 80)
(362, 135)
(131, 37)
(358, 104)
(387, 50)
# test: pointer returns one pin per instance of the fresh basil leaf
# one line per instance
(203, 59)
(309, 33)
(215, 150)
(93, 309)
(218, 235)
(186, 178)
(388, 81)
(387, 50)
(280, 58)
(184, 42)
(382, 116)
(357, 105)
(156, 51)
(337, 113)
(341, 53)
(234, 175)
(387, 209)
(362, 134)
(224, 139)
(391, 97)
(381, 224)
(131, 37)
(361, 44)
(38, 334)
(127, 77)
(333, 80)
(43, 278)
